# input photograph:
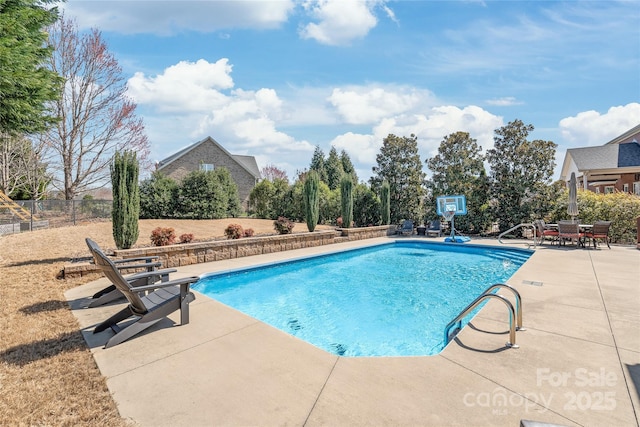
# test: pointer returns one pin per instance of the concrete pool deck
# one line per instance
(578, 361)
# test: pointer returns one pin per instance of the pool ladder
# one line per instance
(515, 314)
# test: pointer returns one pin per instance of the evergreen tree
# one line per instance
(157, 197)
(26, 85)
(366, 206)
(126, 199)
(458, 168)
(312, 200)
(347, 166)
(385, 210)
(317, 164)
(399, 163)
(520, 172)
(333, 167)
(234, 207)
(346, 194)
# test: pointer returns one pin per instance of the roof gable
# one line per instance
(246, 162)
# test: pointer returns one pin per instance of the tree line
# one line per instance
(516, 188)
(64, 112)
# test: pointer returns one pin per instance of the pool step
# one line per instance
(517, 257)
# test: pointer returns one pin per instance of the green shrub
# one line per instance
(163, 236)
(157, 197)
(621, 209)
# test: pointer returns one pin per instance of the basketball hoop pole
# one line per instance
(449, 216)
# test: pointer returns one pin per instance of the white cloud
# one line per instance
(339, 21)
(506, 101)
(592, 128)
(368, 104)
(185, 86)
(191, 100)
(170, 17)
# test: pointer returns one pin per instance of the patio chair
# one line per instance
(543, 232)
(151, 275)
(435, 229)
(407, 227)
(568, 230)
(600, 230)
(163, 299)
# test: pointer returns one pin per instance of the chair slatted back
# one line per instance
(569, 229)
(601, 228)
(111, 272)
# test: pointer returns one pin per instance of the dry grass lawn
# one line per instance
(47, 373)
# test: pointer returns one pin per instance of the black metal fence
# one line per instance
(26, 215)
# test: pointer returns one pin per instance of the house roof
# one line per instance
(247, 162)
(626, 137)
(604, 157)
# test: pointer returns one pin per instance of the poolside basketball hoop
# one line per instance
(449, 207)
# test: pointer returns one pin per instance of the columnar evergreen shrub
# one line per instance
(385, 201)
(126, 199)
(346, 195)
(312, 200)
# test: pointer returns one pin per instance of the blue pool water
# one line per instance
(389, 300)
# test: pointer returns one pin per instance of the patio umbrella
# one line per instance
(572, 208)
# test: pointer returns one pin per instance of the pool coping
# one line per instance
(578, 361)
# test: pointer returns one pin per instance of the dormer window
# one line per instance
(206, 167)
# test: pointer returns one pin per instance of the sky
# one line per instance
(275, 79)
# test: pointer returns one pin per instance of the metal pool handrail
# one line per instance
(522, 225)
(485, 295)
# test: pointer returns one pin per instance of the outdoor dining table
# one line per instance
(582, 227)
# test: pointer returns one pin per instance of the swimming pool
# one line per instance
(393, 299)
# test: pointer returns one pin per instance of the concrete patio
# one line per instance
(578, 361)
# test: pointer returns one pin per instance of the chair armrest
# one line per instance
(145, 274)
(142, 258)
(150, 266)
(182, 281)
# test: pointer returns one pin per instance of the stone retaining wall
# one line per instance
(194, 253)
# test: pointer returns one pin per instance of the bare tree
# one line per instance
(272, 172)
(22, 171)
(96, 117)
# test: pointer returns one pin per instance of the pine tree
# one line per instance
(346, 194)
(126, 199)
(333, 167)
(312, 199)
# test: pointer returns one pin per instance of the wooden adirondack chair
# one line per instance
(151, 275)
(163, 299)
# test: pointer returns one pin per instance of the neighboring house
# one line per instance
(207, 155)
(612, 167)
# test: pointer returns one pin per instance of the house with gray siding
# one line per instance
(614, 166)
(208, 155)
